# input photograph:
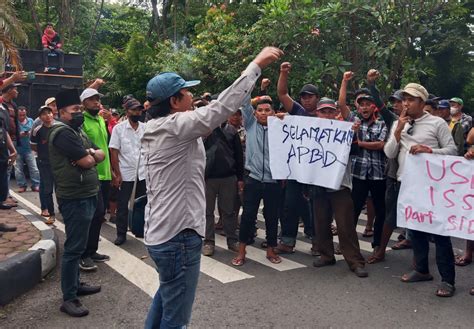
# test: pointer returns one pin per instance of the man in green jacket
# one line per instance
(94, 127)
(73, 159)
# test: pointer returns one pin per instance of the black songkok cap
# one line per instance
(67, 97)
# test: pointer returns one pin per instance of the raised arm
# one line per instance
(282, 87)
(342, 101)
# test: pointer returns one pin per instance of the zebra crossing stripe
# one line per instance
(260, 256)
(211, 267)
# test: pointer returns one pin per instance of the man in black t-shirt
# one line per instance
(7, 158)
(39, 143)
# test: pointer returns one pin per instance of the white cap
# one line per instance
(49, 101)
(89, 92)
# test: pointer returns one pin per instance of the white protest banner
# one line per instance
(437, 195)
(310, 150)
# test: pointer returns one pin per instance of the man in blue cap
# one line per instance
(457, 131)
(174, 159)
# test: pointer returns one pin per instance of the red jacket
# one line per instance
(51, 39)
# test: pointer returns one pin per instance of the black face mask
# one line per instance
(77, 120)
(135, 118)
(93, 112)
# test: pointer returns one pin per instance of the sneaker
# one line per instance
(233, 247)
(7, 228)
(98, 258)
(361, 272)
(208, 250)
(121, 239)
(50, 220)
(74, 308)
(87, 264)
(85, 289)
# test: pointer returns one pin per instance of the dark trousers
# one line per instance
(77, 215)
(391, 197)
(444, 254)
(3, 181)
(225, 191)
(124, 194)
(96, 224)
(46, 186)
(60, 54)
(296, 206)
(360, 191)
(254, 192)
(339, 204)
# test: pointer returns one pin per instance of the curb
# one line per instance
(22, 272)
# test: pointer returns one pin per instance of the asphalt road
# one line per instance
(293, 294)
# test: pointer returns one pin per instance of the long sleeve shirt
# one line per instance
(257, 154)
(427, 130)
(174, 159)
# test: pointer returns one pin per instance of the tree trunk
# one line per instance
(46, 9)
(154, 22)
(34, 15)
(99, 15)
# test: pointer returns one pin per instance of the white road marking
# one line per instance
(260, 256)
(211, 267)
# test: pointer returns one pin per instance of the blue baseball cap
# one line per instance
(165, 85)
(443, 104)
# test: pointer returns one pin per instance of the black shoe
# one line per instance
(7, 228)
(4, 206)
(120, 240)
(87, 264)
(320, 263)
(85, 289)
(99, 258)
(74, 308)
(361, 272)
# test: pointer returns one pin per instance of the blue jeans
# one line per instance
(46, 186)
(77, 215)
(177, 262)
(29, 160)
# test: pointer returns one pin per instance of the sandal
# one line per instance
(368, 232)
(402, 245)
(415, 276)
(462, 261)
(284, 249)
(274, 259)
(238, 261)
(445, 290)
(333, 229)
(375, 259)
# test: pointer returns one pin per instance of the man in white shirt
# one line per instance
(174, 158)
(124, 148)
(417, 132)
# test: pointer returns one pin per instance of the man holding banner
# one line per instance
(316, 151)
(418, 132)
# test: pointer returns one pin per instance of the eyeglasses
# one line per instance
(410, 130)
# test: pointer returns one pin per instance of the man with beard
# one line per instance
(95, 128)
(73, 159)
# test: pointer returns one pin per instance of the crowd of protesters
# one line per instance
(189, 154)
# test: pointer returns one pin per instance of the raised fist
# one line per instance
(373, 75)
(265, 83)
(285, 67)
(267, 56)
(348, 75)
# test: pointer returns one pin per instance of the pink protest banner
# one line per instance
(437, 195)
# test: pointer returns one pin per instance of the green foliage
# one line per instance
(407, 41)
